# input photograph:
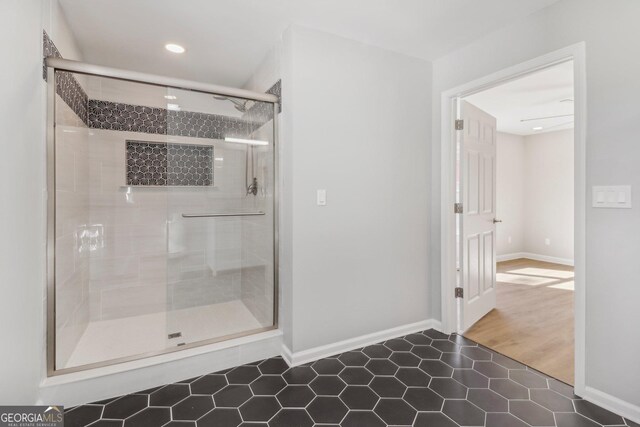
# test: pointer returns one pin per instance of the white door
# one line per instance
(478, 229)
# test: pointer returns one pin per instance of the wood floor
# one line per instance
(533, 321)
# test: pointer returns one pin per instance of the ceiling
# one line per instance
(545, 93)
(227, 39)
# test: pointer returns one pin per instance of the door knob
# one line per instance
(496, 220)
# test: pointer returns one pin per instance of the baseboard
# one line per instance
(312, 354)
(613, 404)
(535, 257)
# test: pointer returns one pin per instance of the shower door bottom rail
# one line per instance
(221, 214)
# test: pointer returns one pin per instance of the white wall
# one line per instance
(21, 186)
(535, 195)
(510, 193)
(356, 125)
(610, 32)
(548, 195)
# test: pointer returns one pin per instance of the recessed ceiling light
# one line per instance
(175, 48)
(170, 97)
(538, 128)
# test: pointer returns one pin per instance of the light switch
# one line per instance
(321, 197)
(617, 196)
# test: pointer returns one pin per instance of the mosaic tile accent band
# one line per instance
(67, 86)
(160, 164)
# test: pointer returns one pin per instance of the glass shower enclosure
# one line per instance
(162, 215)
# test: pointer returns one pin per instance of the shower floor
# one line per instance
(111, 339)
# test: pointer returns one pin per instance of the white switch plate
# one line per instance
(613, 196)
(321, 197)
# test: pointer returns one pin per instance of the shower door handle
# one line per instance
(221, 214)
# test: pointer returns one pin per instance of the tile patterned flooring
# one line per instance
(422, 379)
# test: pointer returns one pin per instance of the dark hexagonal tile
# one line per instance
(562, 388)
(507, 362)
(125, 406)
(418, 339)
(395, 411)
(423, 399)
(402, 358)
(436, 335)
(448, 388)
(84, 415)
(426, 352)
(433, 419)
(359, 397)
(362, 419)
(221, 417)
(169, 395)
(192, 408)
(413, 377)
(531, 413)
(243, 374)
(491, 369)
(328, 366)
(398, 344)
(445, 346)
(290, 418)
(387, 387)
(377, 351)
(356, 375)
(209, 384)
(528, 379)
(463, 412)
(107, 423)
(461, 341)
(551, 400)
(275, 366)
(508, 389)
(180, 424)
(299, 375)
(597, 413)
(259, 408)
(475, 353)
(326, 385)
(267, 385)
(353, 358)
(381, 367)
(295, 396)
(457, 360)
(326, 409)
(436, 368)
(470, 378)
(150, 417)
(488, 400)
(503, 420)
(574, 420)
(232, 396)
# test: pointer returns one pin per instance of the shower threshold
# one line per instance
(117, 338)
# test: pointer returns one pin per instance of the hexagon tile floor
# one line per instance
(422, 379)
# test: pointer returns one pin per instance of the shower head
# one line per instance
(240, 105)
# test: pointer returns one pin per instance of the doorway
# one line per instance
(469, 253)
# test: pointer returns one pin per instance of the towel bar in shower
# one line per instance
(213, 215)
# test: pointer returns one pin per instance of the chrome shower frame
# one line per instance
(58, 64)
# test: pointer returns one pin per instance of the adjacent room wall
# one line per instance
(548, 195)
(510, 196)
(356, 125)
(534, 197)
(612, 246)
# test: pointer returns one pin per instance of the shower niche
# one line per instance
(162, 225)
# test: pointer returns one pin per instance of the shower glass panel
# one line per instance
(164, 219)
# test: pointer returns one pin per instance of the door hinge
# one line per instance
(458, 208)
(459, 124)
(459, 293)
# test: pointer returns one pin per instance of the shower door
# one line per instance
(161, 219)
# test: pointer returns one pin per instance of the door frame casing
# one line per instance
(449, 304)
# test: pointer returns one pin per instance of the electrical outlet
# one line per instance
(547, 241)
